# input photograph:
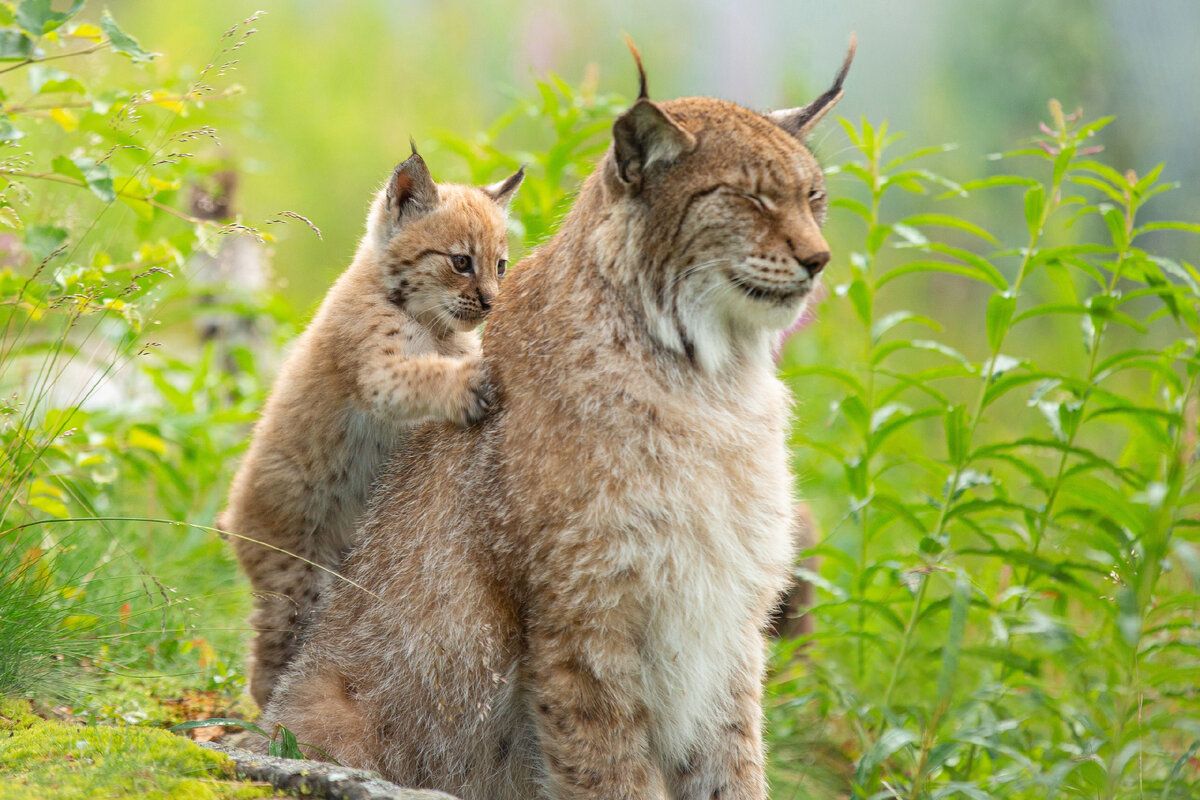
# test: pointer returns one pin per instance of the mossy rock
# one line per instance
(45, 758)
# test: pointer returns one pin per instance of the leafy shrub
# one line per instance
(113, 414)
(1008, 591)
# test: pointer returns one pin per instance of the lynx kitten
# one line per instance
(392, 345)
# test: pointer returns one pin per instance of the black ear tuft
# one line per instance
(411, 189)
(637, 59)
(800, 121)
(502, 191)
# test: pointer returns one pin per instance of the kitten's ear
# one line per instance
(411, 189)
(800, 121)
(646, 134)
(502, 191)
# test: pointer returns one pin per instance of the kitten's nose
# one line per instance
(815, 263)
(485, 301)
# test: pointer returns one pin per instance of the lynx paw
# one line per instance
(474, 401)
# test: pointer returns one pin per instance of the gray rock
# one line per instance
(318, 779)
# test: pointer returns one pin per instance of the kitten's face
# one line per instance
(445, 266)
(443, 249)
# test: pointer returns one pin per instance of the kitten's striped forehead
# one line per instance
(471, 219)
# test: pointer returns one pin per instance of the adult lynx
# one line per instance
(392, 345)
(574, 591)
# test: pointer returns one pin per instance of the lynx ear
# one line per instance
(411, 189)
(800, 121)
(502, 191)
(646, 134)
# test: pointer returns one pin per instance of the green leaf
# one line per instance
(1129, 616)
(1189, 227)
(1180, 271)
(42, 240)
(919, 153)
(1003, 655)
(1177, 770)
(988, 274)
(954, 423)
(122, 42)
(860, 298)
(943, 349)
(50, 505)
(48, 80)
(876, 237)
(15, 45)
(1035, 201)
(882, 430)
(960, 601)
(1114, 194)
(947, 221)
(98, 177)
(853, 205)
(842, 376)
(886, 323)
(286, 745)
(63, 165)
(1101, 307)
(856, 477)
(1062, 162)
(884, 748)
(227, 722)
(856, 414)
(38, 18)
(965, 480)
(1114, 218)
(910, 234)
(999, 315)
(999, 180)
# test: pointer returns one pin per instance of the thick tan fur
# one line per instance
(392, 345)
(573, 592)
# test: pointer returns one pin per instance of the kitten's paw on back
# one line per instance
(475, 399)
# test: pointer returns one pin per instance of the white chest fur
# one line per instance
(714, 542)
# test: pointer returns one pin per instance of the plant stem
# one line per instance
(43, 59)
(868, 358)
(52, 176)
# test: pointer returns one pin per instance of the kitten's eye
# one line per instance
(501, 266)
(461, 264)
(816, 195)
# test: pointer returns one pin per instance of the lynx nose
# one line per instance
(485, 301)
(815, 263)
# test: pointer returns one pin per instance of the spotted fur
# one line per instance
(571, 595)
(392, 345)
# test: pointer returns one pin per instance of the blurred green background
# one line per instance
(335, 89)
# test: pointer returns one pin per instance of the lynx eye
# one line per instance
(816, 195)
(759, 202)
(502, 266)
(462, 264)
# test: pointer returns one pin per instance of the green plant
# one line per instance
(1008, 595)
(111, 414)
(281, 742)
